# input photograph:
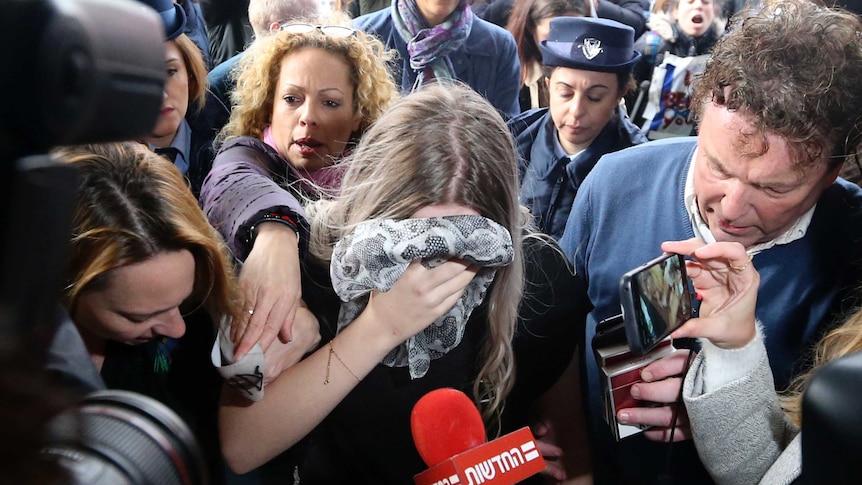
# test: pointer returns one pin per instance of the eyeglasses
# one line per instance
(330, 30)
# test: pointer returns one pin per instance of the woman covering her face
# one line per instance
(304, 96)
(588, 64)
(441, 286)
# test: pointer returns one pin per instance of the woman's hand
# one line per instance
(306, 336)
(727, 283)
(418, 298)
(271, 287)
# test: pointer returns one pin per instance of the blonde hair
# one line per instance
(843, 340)
(464, 156)
(197, 69)
(133, 205)
(259, 69)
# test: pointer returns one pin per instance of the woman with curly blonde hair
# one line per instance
(303, 98)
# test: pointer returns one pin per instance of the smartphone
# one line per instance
(609, 331)
(655, 301)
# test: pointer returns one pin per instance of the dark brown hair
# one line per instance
(795, 68)
(526, 14)
(132, 205)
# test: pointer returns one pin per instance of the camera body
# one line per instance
(82, 71)
(85, 71)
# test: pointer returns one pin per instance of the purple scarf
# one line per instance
(429, 47)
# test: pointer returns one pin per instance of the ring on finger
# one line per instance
(250, 311)
(743, 266)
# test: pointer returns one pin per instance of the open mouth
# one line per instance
(307, 146)
(697, 19)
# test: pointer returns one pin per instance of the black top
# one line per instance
(367, 438)
(187, 383)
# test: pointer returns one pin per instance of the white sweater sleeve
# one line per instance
(723, 366)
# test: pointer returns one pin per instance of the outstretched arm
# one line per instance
(238, 196)
(737, 423)
(304, 394)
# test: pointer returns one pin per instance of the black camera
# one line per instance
(77, 71)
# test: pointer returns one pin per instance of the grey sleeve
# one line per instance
(740, 429)
(69, 361)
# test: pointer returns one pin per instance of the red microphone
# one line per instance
(450, 437)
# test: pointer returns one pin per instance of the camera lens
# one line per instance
(120, 437)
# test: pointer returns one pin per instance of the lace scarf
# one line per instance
(429, 47)
(378, 252)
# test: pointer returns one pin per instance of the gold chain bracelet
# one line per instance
(329, 362)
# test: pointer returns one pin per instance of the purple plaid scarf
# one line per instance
(429, 47)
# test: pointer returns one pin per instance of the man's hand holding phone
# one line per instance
(662, 381)
(727, 282)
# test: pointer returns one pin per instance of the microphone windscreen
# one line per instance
(444, 423)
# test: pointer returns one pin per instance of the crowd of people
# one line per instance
(373, 203)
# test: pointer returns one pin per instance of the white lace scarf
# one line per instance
(378, 252)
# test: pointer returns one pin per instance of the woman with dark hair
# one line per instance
(588, 64)
(629, 12)
(191, 115)
(529, 24)
(147, 281)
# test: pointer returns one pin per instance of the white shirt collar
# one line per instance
(559, 151)
(701, 229)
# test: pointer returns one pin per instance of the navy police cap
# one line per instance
(173, 16)
(591, 44)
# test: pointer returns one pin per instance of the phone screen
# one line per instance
(655, 301)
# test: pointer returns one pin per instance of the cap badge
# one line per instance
(591, 48)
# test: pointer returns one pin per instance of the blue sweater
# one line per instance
(633, 201)
(548, 182)
(487, 61)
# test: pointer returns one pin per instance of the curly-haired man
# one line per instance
(779, 112)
